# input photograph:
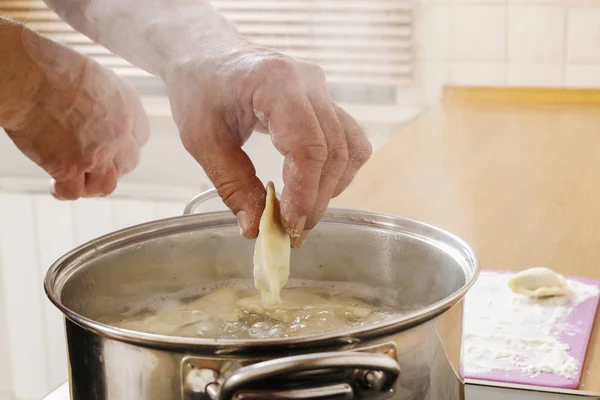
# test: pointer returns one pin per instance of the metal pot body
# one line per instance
(416, 267)
(108, 369)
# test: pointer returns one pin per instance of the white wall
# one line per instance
(517, 43)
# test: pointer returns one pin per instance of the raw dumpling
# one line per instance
(219, 303)
(300, 297)
(354, 306)
(272, 252)
(302, 303)
(292, 299)
(539, 282)
(164, 323)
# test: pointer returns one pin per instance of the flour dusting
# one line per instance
(507, 331)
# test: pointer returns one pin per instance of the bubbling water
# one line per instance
(235, 311)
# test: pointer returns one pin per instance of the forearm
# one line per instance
(20, 79)
(34, 72)
(152, 34)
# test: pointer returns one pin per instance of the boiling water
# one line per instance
(234, 312)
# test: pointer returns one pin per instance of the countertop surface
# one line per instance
(517, 178)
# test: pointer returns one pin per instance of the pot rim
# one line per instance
(61, 270)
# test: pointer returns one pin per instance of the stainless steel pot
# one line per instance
(414, 356)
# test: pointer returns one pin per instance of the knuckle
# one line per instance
(231, 192)
(63, 172)
(130, 165)
(126, 160)
(83, 165)
(130, 94)
(242, 192)
(316, 72)
(280, 66)
(339, 155)
(141, 129)
(99, 155)
(274, 81)
(315, 151)
(279, 73)
(70, 169)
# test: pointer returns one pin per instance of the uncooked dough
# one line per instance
(272, 252)
(539, 282)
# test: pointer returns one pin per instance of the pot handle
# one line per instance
(374, 375)
(199, 199)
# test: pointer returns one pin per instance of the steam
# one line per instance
(155, 34)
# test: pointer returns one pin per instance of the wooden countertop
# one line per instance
(515, 174)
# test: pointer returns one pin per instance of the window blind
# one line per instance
(359, 43)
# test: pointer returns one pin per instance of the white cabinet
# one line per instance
(35, 230)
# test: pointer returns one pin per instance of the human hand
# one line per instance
(218, 102)
(86, 126)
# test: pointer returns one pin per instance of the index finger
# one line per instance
(296, 134)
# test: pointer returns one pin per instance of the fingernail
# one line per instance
(243, 222)
(52, 189)
(299, 241)
(299, 229)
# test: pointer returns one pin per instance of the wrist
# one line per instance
(209, 53)
(193, 32)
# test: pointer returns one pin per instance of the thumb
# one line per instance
(232, 173)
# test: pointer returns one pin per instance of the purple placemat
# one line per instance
(582, 317)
